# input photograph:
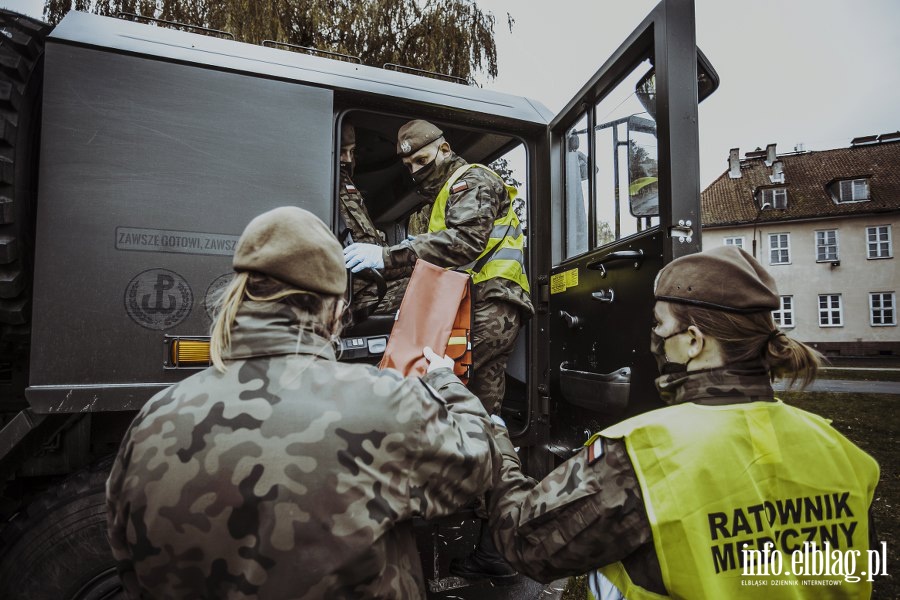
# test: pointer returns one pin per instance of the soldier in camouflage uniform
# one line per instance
(279, 472)
(477, 199)
(724, 438)
(471, 227)
(355, 217)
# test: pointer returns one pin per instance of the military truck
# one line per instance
(134, 154)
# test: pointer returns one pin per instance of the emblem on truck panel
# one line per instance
(158, 299)
(214, 291)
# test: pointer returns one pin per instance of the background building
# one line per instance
(823, 223)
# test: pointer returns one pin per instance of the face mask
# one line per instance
(658, 350)
(422, 178)
(432, 177)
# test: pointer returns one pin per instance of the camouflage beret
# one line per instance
(724, 278)
(415, 135)
(293, 245)
(348, 133)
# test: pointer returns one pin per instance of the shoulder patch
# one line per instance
(459, 186)
(595, 451)
(351, 188)
(595, 448)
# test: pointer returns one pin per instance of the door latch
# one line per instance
(604, 295)
(683, 231)
(571, 320)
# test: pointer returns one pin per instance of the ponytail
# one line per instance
(314, 312)
(787, 357)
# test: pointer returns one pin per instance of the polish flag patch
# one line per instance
(350, 187)
(459, 186)
(595, 451)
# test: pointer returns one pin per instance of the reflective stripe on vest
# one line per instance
(715, 478)
(508, 261)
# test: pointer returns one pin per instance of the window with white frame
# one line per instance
(831, 313)
(827, 245)
(878, 240)
(853, 190)
(784, 316)
(735, 241)
(881, 309)
(776, 197)
(779, 248)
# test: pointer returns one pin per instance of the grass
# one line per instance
(872, 422)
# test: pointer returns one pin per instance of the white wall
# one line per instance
(805, 279)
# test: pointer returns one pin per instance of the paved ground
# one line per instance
(522, 589)
(834, 385)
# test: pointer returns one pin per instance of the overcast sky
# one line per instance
(817, 72)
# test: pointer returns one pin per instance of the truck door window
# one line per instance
(513, 168)
(626, 157)
(577, 179)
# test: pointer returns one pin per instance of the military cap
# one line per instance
(415, 135)
(348, 133)
(293, 245)
(724, 278)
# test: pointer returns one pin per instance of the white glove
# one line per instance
(435, 361)
(363, 256)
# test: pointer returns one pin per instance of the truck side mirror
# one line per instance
(643, 188)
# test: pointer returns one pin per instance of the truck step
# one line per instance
(11, 282)
(9, 249)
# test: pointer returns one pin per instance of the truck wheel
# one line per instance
(57, 547)
(21, 77)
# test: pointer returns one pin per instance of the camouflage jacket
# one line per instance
(470, 218)
(355, 215)
(291, 475)
(587, 514)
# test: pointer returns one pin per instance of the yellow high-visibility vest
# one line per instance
(715, 478)
(508, 261)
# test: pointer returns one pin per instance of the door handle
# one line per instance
(604, 295)
(571, 320)
(600, 265)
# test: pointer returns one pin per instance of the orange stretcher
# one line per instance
(436, 311)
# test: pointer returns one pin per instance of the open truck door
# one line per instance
(626, 200)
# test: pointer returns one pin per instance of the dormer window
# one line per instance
(774, 197)
(851, 190)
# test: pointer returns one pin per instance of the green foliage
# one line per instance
(448, 36)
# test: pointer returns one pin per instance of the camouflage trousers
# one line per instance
(494, 332)
(365, 294)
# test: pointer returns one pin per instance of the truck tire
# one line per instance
(57, 547)
(21, 78)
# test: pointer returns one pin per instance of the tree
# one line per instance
(448, 36)
(501, 167)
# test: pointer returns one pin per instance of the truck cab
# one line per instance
(156, 147)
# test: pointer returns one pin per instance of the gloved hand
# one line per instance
(363, 256)
(435, 361)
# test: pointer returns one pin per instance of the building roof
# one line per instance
(807, 178)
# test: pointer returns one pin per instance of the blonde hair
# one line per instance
(315, 312)
(745, 337)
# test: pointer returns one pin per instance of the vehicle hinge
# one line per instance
(544, 396)
(543, 294)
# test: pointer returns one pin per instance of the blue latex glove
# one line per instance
(363, 256)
